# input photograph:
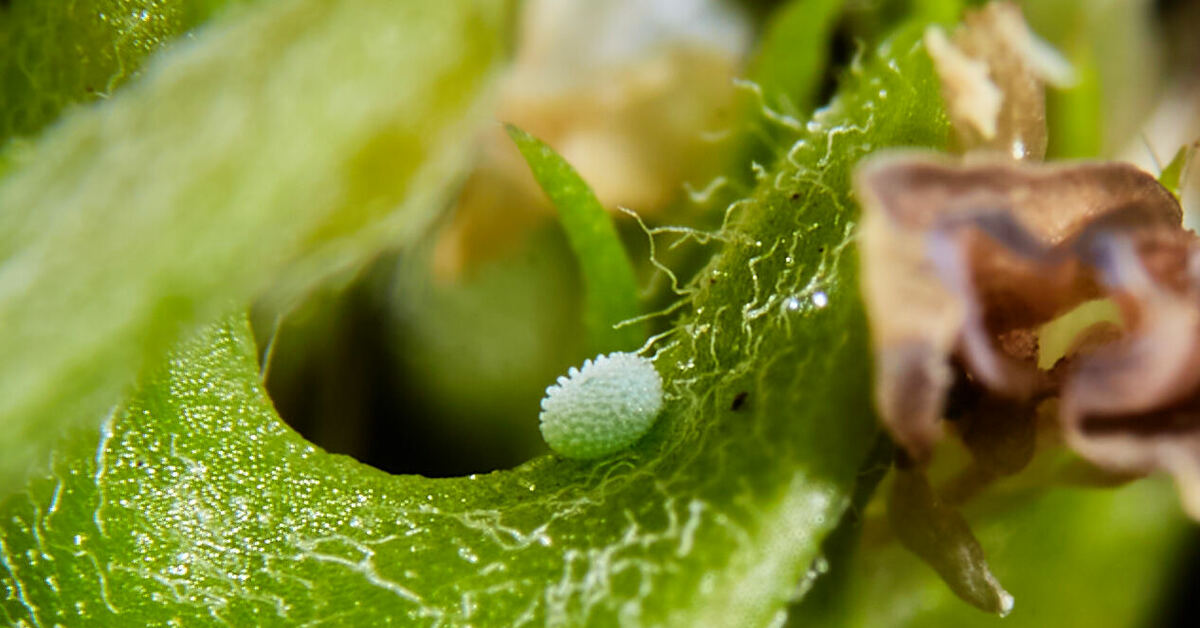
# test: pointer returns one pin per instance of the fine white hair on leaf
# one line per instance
(602, 407)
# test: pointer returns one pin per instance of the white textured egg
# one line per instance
(603, 407)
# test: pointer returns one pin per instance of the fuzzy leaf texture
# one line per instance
(272, 150)
(200, 505)
(109, 40)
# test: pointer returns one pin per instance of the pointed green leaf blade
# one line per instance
(610, 286)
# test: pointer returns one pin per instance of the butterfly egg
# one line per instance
(602, 407)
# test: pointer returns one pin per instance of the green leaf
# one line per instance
(610, 287)
(198, 505)
(57, 54)
(1074, 115)
(276, 148)
(1172, 174)
(792, 56)
(1112, 47)
(941, 11)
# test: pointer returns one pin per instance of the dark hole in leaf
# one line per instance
(347, 392)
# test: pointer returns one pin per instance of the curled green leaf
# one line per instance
(285, 143)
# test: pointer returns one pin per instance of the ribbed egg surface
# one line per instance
(603, 407)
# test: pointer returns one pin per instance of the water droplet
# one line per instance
(1018, 149)
(813, 126)
(1006, 603)
(818, 568)
(821, 565)
(820, 299)
(791, 304)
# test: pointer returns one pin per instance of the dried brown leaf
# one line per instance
(941, 537)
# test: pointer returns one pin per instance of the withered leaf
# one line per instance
(993, 74)
(940, 536)
(963, 264)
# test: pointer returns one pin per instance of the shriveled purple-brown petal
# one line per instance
(1052, 201)
(1133, 406)
(970, 260)
(963, 263)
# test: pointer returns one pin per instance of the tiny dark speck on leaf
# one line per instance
(795, 196)
(739, 401)
(820, 249)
